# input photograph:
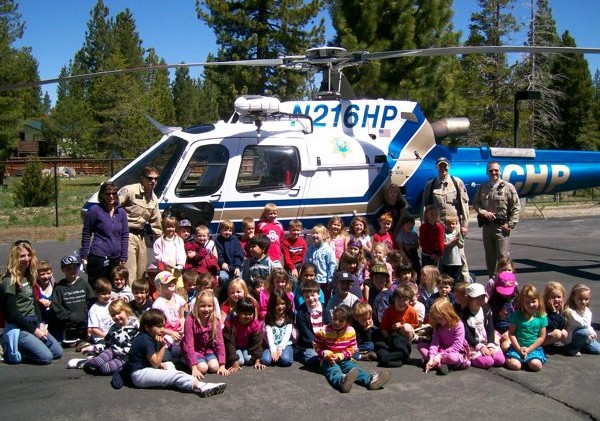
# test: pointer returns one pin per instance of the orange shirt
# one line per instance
(391, 316)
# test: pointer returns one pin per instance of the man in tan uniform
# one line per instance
(497, 205)
(143, 217)
(449, 196)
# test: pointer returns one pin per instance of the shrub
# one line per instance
(34, 189)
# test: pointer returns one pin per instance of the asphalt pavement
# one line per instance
(566, 250)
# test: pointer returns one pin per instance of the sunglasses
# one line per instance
(19, 242)
(150, 178)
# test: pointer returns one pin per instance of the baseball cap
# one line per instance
(475, 290)
(342, 275)
(506, 283)
(164, 278)
(185, 223)
(69, 260)
(442, 160)
(379, 269)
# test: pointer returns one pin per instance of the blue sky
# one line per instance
(55, 29)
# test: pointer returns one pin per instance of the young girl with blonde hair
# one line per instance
(202, 343)
(582, 336)
(448, 347)
(117, 341)
(237, 289)
(338, 236)
(25, 336)
(527, 331)
(272, 228)
(169, 250)
(554, 298)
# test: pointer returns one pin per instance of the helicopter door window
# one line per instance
(204, 173)
(268, 168)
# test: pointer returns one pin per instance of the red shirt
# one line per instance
(293, 252)
(431, 238)
(274, 231)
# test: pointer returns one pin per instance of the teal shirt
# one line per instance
(527, 331)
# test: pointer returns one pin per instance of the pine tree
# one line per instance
(486, 78)
(16, 66)
(34, 189)
(535, 73)
(259, 29)
(575, 104)
(185, 98)
(396, 25)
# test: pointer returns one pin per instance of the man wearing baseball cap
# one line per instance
(449, 196)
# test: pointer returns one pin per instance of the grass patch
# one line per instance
(72, 194)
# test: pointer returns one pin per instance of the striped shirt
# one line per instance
(316, 318)
(341, 344)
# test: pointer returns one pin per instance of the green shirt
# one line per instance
(527, 331)
(24, 296)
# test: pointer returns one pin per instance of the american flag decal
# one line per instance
(384, 133)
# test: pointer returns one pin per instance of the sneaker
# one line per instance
(76, 362)
(69, 343)
(578, 354)
(348, 380)
(442, 370)
(209, 389)
(81, 345)
(378, 380)
(370, 356)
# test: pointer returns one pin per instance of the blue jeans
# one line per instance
(579, 343)
(307, 357)
(244, 357)
(335, 373)
(33, 350)
(285, 359)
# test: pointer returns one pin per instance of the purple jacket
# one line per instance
(111, 234)
(447, 340)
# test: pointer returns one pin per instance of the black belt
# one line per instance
(136, 231)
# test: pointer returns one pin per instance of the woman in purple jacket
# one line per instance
(105, 235)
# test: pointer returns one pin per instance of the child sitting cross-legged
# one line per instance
(398, 328)
(336, 346)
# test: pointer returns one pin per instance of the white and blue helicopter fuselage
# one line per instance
(337, 162)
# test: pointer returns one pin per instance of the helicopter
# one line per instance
(334, 155)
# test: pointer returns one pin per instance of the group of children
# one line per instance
(265, 299)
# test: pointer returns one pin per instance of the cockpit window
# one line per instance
(164, 159)
(268, 168)
(204, 173)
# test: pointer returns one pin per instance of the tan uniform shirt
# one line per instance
(501, 199)
(139, 210)
(446, 200)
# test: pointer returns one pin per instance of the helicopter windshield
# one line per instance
(204, 173)
(164, 158)
(268, 168)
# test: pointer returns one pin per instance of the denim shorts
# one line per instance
(537, 353)
(205, 358)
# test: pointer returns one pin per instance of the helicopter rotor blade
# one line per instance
(324, 57)
(478, 49)
(252, 63)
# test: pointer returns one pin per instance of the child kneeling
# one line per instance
(146, 356)
(335, 345)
